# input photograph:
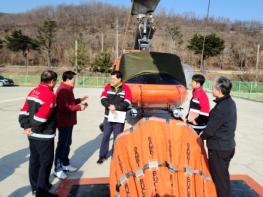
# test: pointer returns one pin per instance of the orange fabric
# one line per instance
(152, 96)
(157, 141)
(121, 167)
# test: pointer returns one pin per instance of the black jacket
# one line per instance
(221, 126)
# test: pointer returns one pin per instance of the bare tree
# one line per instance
(1, 43)
(80, 58)
(46, 36)
(176, 35)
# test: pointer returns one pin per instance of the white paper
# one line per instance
(117, 116)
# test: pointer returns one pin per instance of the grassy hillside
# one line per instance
(92, 20)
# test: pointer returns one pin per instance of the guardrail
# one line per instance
(242, 89)
(82, 81)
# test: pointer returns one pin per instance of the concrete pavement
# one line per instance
(14, 151)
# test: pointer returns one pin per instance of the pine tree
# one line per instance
(102, 63)
(17, 42)
(213, 45)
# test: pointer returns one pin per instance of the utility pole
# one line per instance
(102, 41)
(26, 55)
(202, 57)
(257, 62)
(117, 38)
(76, 56)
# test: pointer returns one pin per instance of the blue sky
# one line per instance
(232, 9)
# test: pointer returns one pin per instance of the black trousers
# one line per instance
(40, 163)
(219, 165)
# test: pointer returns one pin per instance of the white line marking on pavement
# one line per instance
(11, 100)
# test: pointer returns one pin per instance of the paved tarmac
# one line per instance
(14, 152)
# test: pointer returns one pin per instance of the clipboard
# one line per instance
(117, 116)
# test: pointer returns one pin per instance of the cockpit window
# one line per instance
(154, 78)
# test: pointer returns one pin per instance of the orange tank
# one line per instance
(157, 96)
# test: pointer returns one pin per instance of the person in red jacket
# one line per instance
(199, 107)
(116, 98)
(67, 107)
(38, 119)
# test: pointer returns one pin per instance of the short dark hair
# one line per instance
(48, 76)
(117, 73)
(68, 75)
(223, 84)
(199, 79)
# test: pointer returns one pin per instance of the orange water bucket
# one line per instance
(153, 95)
(157, 157)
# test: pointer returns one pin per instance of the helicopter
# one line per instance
(157, 80)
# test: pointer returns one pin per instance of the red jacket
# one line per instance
(120, 97)
(199, 104)
(67, 106)
(38, 113)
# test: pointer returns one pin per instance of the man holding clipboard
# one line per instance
(116, 98)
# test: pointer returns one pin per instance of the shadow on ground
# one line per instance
(10, 162)
(84, 152)
(23, 191)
